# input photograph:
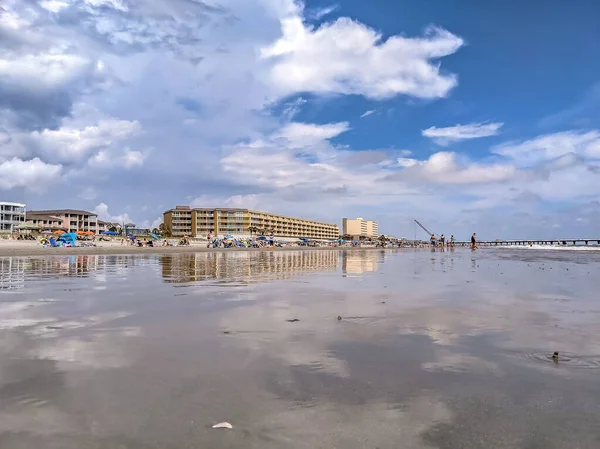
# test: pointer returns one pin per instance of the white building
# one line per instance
(11, 215)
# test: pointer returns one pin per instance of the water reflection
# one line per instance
(359, 262)
(245, 266)
(12, 273)
(436, 351)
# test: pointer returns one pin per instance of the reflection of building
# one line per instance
(249, 267)
(184, 220)
(11, 215)
(12, 273)
(72, 220)
(359, 227)
(357, 262)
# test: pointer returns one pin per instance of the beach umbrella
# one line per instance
(262, 237)
(110, 233)
(28, 226)
(229, 236)
(59, 232)
(46, 232)
(154, 236)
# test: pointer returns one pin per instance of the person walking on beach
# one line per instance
(442, 240)
(452, 241)
(432, 240)
(474, 241)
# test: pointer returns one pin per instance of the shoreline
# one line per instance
(34, 251)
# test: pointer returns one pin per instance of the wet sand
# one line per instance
(434, 350)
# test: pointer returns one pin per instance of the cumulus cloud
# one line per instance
(102, 211)
(443, 167)
(347, 57)
(69, 144)
(33, 175)
(451, 134)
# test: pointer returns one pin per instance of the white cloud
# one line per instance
(443, 167)
(552, 146)
(115, 4)
(133, 158)
(445, 136)
(69, 144)
(367, 113)
(54, 5)
(33, 175)
(102, 211)
(304, 134)
(348, 57)
(319, 13)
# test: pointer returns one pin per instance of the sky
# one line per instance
(467, 116)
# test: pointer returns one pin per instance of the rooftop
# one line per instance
(61, 212)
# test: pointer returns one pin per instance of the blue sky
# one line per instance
(469, 116)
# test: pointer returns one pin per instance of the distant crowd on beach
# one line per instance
(441, 242)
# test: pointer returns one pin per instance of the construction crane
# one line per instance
(429, 233)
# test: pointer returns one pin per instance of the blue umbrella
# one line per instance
(229, 236)
(110, 233)
(262, 237)
(154, 236)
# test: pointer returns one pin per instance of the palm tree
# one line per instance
(252, 230)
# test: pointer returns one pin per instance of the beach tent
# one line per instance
(68, 237)
(110, 233)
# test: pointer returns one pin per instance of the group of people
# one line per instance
(450, 244)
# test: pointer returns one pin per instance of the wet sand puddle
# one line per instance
(373, 349)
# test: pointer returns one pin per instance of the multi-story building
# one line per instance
(359, 227)
(46, 222)
(71, 220)
(11, 216)
(184, 220)
(248, 266)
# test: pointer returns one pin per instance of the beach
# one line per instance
(33, 248)
(300, 349)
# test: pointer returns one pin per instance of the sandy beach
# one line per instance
(23, 248)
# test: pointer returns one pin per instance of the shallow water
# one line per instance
(434, 350)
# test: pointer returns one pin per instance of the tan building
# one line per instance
(184, 220)
(259, 266)
(71, 220)
(359, 227)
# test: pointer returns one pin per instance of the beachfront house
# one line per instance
(70, 220)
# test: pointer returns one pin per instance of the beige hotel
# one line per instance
(359, 227)
(183, 220)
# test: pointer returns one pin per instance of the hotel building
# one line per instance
(71, 220)
(184, 220)
(11, 216)
(359, 227)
